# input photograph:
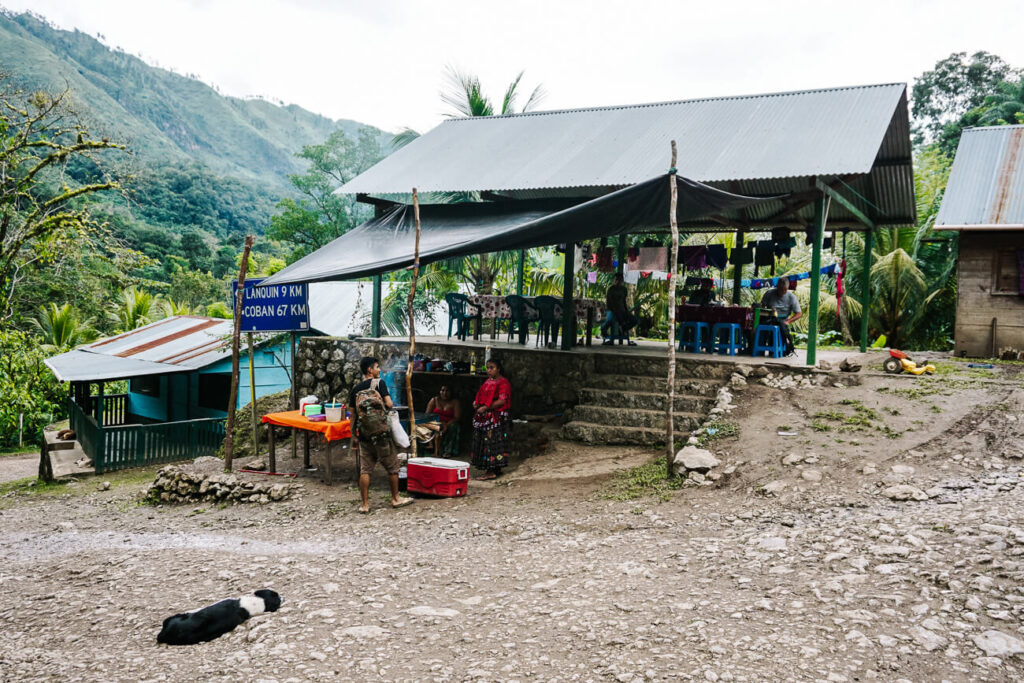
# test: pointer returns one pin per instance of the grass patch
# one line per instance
(643, 482)
(32, 488)
(23, 450)
(819, 426)
(718, 429)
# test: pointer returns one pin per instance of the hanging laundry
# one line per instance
(741, 256)
(693, 258)
(780, 234)
(785, 247)
(605, 262)
(630, 276)
(652, 258)
(716, 256)
(839, 287)
(592, 277)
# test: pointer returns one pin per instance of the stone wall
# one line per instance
(543, 381)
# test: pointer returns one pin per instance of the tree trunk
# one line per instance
(229, 433)
(670, 441)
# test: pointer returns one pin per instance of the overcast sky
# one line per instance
(382, 61)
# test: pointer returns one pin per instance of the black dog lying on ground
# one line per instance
(215, 620)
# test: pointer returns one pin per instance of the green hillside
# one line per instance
(163, 116)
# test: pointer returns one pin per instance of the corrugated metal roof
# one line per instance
(176, 344)
(833, 132)
(986, 184)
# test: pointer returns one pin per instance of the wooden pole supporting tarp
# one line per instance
(229, 430)
(821, 206)
(568, 303)
(865, 289)
(673, 257)
(375, 307)
(252, 399)
(412, 324)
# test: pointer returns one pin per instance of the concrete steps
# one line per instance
(643, 400)
(651, 366)
(588, 432)
(696, 386)
(62, 457)
(632, 417)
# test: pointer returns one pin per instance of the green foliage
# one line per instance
(642, 482)
(62, 329)
(956, 85)
(717, 430)
(319, 216)
(134, 309)
(191, 289)
(27, 387)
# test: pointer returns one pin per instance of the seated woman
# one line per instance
(449, 410)
(492, 422)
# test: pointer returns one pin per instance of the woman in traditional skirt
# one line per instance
(492, 423)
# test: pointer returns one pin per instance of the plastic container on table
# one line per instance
(438, 477)
(312, 409)
(334, 411)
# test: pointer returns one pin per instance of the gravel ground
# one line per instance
(545, 579)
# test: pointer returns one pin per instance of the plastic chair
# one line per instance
(733, 338)
(458, 311)
(697, 340)
(549, 321)
(768, 339)
(521, 309)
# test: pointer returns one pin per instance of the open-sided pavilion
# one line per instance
(816, 160)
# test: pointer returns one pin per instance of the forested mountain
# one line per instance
(161, 115)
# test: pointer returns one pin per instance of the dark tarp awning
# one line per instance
(386, 243)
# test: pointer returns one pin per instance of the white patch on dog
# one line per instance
(252, 604)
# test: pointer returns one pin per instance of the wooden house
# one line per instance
(984, 202)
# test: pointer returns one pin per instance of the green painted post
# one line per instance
(865, 289)
(737, 271)
(622, 254)
(521, 272)
(812, 314)
(568, 303)
(375, 311)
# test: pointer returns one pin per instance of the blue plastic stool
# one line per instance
(768, 338)
(698, 339)
(733, 341)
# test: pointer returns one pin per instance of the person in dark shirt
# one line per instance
(705, 296)
(380, 449)
(618, 312)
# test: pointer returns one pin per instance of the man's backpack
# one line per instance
(373, 415)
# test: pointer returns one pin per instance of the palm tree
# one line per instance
(1005, 106)
(61, 328)
(136, 308)
(172, 308)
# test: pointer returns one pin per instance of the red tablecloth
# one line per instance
(332, 431)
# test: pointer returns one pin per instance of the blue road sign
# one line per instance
(274, 308)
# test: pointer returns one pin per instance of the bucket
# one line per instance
(333, 411)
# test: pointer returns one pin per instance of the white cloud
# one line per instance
(381, 62)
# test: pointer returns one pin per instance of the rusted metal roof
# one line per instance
(180, 343)
(986, 184)
(756, 144)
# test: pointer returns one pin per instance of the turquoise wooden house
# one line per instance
(178, 373)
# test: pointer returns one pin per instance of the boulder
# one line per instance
(904, 492)
(849, 366)
(998, 644)
(694, 459)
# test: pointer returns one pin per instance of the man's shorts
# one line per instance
(380, 450)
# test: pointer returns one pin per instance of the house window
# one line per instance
(1007, 273)
(214, 391)
(147, 386)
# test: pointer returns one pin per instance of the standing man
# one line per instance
(787, 311)
(370, 403)
(618, 312)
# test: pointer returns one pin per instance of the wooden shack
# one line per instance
(984, 202)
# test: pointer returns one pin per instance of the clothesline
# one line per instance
(634, 276)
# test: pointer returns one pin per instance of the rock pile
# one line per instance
(175, 485)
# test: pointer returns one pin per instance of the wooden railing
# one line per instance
(121, 446)
(115, 409)
(139, 445)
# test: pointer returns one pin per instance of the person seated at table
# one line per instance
(492, 422)
(374, 439)
(618, 318)
(449, 411)
(705, 295)
(786, 308)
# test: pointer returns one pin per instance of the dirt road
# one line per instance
(819, 577)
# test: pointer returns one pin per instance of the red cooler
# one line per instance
(438, 476)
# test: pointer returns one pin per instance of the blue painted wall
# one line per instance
(179, 393)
